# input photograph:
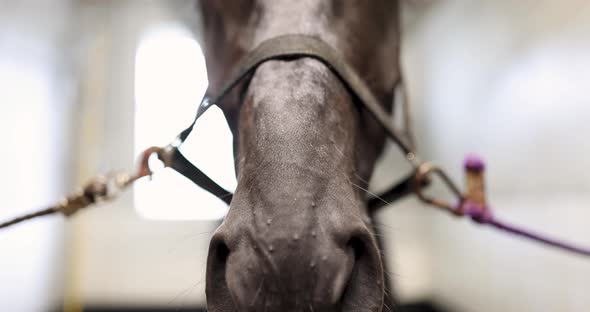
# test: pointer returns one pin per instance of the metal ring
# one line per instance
(422, 173)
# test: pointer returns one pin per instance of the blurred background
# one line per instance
(85, 85)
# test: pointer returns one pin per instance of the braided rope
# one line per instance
(40, 213)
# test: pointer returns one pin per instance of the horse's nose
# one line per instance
(289, 270)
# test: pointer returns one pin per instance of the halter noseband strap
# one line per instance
(281, 48)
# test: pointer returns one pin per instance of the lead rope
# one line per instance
(98, 189)
(473, 204)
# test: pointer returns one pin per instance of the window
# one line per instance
(170, 80)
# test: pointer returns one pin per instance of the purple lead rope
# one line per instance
(482, 216)
(474, 205)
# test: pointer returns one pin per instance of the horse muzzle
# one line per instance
(318, 270)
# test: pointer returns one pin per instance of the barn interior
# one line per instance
(85, 85)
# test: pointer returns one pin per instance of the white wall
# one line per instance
(507, 80)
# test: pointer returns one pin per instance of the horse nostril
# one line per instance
(218, 251)
(358, 247)
(354, 250)
(364, 286)
(216, 289)
(221, 253)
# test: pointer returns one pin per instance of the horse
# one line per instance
(298, 235)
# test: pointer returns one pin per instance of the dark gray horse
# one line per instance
(298, 236)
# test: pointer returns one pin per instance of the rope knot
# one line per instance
(475, 211)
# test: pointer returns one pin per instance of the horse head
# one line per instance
(298, 236)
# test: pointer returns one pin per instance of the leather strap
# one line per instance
(179, 163)
(281, 48)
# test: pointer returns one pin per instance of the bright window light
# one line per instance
(170, 80)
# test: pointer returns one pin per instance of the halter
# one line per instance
(282, 48)
(471, 204)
